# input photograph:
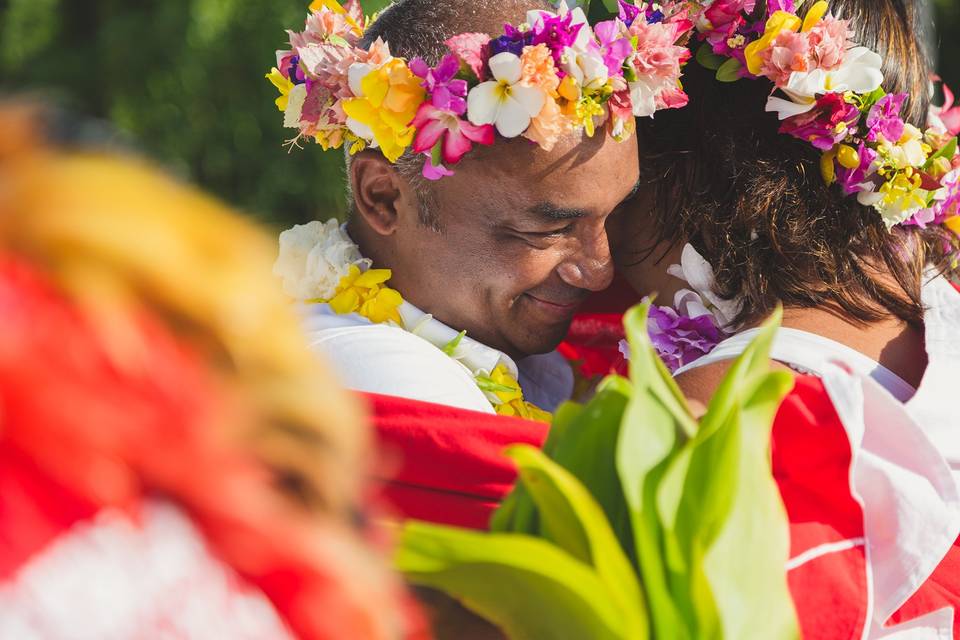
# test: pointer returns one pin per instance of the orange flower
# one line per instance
(538, 70)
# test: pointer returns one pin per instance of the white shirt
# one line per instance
(409, 362)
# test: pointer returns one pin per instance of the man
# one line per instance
(504, 250)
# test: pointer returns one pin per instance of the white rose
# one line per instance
(314, 257)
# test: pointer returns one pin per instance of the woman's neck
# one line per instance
(891, 342)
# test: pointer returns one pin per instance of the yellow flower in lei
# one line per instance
(283, 85)
(511, 403)
(364, 292)
(391, 97)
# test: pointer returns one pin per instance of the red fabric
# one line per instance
(592, 344)
(88, 423)
(811, 460)
(450, 463)
(941, 590)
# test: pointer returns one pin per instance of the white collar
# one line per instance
(474, 355)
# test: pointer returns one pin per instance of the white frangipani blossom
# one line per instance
(314, 257)
(503, 101)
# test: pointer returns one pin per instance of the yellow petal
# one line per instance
(345, 302)
(848, 157)
(827, 168)
(375, 85)
(953, 223)
(373, 277)
(815, 15)
(360, 110)
(780, 21)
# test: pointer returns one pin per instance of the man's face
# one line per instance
(522, 240)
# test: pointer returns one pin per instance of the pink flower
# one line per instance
(725, 19)
(471, 49)
(789, 52)
(828, 42)
(673, 99)
(858, 179)
(948, 115)
(455, 136)
(826, 124)
(657, 55)
(884, 118)
(724, 13)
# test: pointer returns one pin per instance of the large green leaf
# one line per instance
(528, 587)
(753, 598)
(719, 498)
(575, 522)
(656, 424)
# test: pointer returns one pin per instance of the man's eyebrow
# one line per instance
(552, 212)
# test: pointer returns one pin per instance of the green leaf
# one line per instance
(657, 422)
(947, 151)
(576, 523)
(436, 154)
(753, 598)
(451, 346)
(587, 446)
(719, 498)
(529, 588)
(729, 71)
(708, 59)
(486, 384)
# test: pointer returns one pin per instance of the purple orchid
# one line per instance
(884, 118)
(512, 41)
(446, 92)
(830, 122)
(557, 33)
(613, 48)
(781, 5)
(852, 180)
(679, 339)
(628, 12)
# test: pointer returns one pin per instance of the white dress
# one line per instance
(906, 451)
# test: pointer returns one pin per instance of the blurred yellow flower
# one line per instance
(283, 85)
(364, 292)
(391, 97)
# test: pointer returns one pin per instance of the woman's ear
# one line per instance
(381, 196)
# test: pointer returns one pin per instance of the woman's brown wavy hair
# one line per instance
(753, 201)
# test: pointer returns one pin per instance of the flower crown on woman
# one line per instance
(828, 92)
(549, 76)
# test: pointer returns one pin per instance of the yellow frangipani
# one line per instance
(364, 292)
(391, 97)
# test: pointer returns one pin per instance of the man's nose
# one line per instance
(591, 266)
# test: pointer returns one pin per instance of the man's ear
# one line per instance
(380, 194)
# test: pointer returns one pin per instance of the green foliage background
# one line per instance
(183, 81)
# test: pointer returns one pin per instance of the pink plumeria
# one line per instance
(454, 135)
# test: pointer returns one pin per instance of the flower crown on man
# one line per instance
(552, 75)
(828, 91)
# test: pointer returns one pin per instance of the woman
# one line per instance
(860, 276)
